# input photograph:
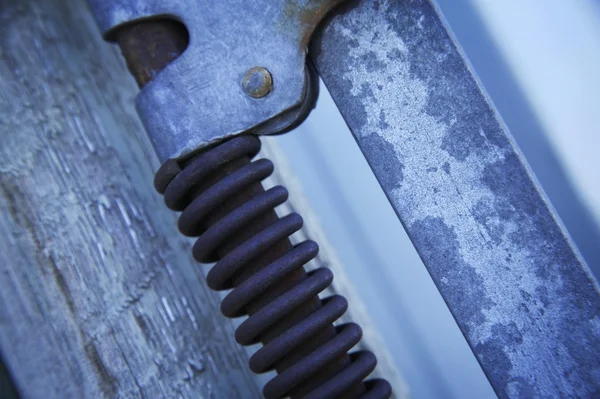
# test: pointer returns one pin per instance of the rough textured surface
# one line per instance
(518, 290)
(99, 295)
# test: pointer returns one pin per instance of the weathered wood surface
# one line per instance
(99, 295)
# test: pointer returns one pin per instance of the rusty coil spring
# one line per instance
(268, 284)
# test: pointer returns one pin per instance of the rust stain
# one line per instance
(309, 15)
(149, 46)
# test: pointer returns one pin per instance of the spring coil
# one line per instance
(191, 190)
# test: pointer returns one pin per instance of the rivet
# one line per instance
(257, 82)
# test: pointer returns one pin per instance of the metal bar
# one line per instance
(516, 286)
(525, 126)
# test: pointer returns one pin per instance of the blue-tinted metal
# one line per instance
(199, 99)
(520, 293)
(532, 139)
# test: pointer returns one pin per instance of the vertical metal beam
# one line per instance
(520, 293)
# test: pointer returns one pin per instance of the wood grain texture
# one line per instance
(99, 294)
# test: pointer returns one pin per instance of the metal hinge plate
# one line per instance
(199, 98)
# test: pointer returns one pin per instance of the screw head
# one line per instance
(257, 82)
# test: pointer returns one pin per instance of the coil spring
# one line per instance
(225, 206)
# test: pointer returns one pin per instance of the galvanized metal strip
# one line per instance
(199, 98)
(520, 293)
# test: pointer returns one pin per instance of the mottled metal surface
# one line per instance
(516, 286)
(198, 99)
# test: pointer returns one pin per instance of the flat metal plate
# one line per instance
(516, 286)
(198, 99)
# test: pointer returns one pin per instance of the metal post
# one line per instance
(516, 286)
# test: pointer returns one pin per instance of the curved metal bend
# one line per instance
(198, 100)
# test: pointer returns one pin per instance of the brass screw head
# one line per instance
(257, 82)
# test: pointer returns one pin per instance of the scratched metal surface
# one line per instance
(184, 111)
(513, 281)
(99, 296)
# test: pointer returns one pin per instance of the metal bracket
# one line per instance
(209, 93)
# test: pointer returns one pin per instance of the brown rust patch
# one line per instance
(308, 16)
(149, 46)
